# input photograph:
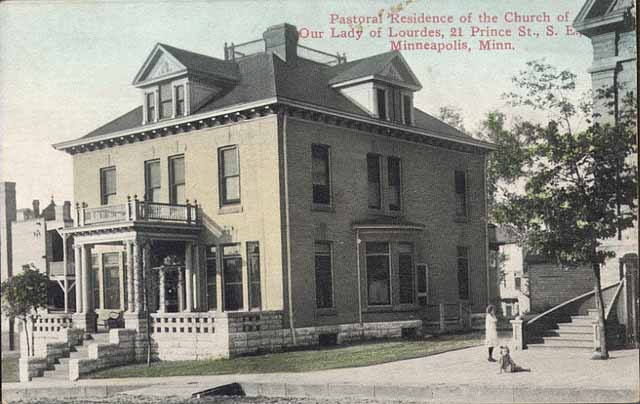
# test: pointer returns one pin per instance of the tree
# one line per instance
(575, 181)
(452, 116)
(22, 295)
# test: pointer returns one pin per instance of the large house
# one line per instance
(279, 196)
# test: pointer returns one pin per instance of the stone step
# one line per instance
(582, 321)
(546, 346)
(586, 336)
(561, 341)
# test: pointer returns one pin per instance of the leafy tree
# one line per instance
(575, 181)
(22, 295)
(452, 116)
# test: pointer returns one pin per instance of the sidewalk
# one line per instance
(556, 375)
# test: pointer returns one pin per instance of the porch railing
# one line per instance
(137, 210)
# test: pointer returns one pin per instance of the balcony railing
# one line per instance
(56, 268)
(136, 210)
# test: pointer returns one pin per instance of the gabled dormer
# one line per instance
(175, 82)
(382, 85)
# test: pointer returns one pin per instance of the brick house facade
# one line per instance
(280, 198)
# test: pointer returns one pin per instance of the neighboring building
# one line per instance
(611, 27)
(507, 261)
(33, 238)
(276, 192)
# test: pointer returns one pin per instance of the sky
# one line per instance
(66, 67)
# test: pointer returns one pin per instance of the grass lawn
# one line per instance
(9, 369)
(364, 354)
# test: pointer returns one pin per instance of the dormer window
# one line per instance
(166, 101)
(179, 100)
(407, 109)
(381, 96)
(151, 106)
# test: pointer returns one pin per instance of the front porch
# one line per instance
(132, 258)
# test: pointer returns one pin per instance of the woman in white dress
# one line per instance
(491, 330)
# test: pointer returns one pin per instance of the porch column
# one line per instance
(197, 276)
(86, 259)
(161, 298)
(147, 301)
(130, 284)
(65, 261)
(137, 281)
(77, 252)
(180, 290)
(188, 266)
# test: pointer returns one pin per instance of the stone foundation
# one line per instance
(179, 336)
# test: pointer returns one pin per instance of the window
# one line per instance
(393, 166)
(176, 180)
(461, 193)
(111, 273)
(423, 286)
(229, 169)
(107, 185)
(151, 107)
(179, 100)
(166, 102)
(382, 103)
(232, 273)
(405, 272)
(518, 283)
(152, 180)
(378, 274)
(324, 277)
(406, 109)
(253, 267)
(211, 261)
(320, 173)
(463, 273)
(95, 281)
(373, 178)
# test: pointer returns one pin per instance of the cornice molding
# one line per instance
(242, 112)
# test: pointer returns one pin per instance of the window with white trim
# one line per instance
(324, 275)
(378, 273)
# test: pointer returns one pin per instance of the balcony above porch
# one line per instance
(136, 213)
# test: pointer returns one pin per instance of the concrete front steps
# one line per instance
(577, 334)
(60, 369)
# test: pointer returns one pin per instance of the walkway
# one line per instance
(557, 375)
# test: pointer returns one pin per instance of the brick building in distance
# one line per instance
(281, 196)
(31, 237)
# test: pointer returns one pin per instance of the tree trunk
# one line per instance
(33, 342)
(26, 336)
(602, 329)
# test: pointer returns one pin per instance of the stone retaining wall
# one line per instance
(49, 347)
(30, 367)
(120, 350)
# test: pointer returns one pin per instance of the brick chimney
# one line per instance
(282, 39)
(36, 207)
(66, 211)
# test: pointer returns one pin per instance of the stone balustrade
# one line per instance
(183, 323)
(52, 322)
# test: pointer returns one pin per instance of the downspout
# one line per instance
(287, 226)
(486, 229)
(359, 281)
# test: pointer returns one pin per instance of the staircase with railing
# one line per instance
(573, 324)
